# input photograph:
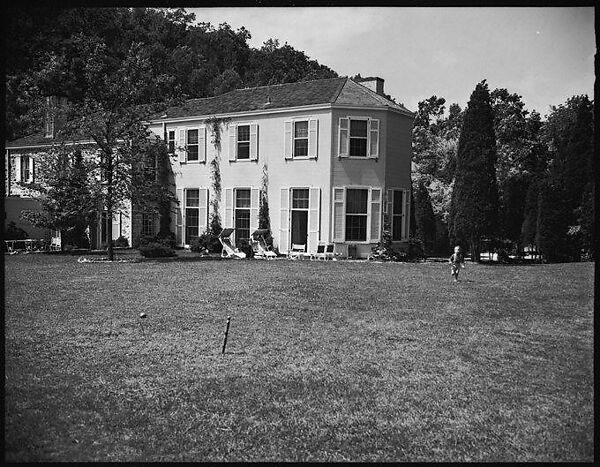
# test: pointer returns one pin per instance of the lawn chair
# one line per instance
(229, 251)
(55, 243)
(259, 245)
(320, 253)
(330, 251)
(297, 252)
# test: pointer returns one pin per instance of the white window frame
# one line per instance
(172, 141)
(182, 136)
(188, 145)
(27, 175)
(238, 141)
(234, 142)
(370, 202)
(405, 216)
(371, 124)
(295, 138)
(289, 135)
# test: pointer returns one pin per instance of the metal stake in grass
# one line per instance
(142, 316)
(226, 332)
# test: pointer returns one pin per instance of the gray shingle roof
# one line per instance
(342, 91)
(281, 96)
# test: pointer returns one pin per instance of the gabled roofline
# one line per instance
(330, 106)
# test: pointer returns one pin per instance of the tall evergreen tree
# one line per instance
(474, 205)
(425, 225)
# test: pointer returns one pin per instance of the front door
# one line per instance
(299, 227)
(299, 216)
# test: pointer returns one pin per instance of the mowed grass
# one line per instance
(336, 361)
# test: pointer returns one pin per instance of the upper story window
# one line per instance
(301, 139)
(171, 141)
(243, 142)
(192, 144)
(358, 137)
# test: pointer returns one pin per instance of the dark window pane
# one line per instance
(356, 201)
(192, 136)
(242, 198)
(192, 198)
(191, 224)
(398, 202)
(301, 129)
(192, 153)
(243, 133)
(396, 228)
(358, 128)
(356, 228)
(300, 147)
(243, 151)
(358, 147)
(242, 225)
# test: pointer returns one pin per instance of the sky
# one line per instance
(544, 54)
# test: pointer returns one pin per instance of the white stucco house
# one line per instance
(337, 155)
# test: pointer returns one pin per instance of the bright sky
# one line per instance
(545, 54)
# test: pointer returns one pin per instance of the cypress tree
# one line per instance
(474, 204)
(425, 229)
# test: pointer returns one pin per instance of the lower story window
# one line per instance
(192, 215)
(356, 214)
(148, 229)
(397, 215)
(242, 215)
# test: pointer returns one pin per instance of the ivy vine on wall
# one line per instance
(215, 123)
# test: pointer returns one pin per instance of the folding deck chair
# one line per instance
(229, 251)
(259, 245)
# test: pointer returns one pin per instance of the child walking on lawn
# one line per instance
(456, 260)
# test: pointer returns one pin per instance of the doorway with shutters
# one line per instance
(299, 216)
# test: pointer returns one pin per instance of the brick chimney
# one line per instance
(374, 83)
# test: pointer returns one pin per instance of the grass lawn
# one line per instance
(335, 361)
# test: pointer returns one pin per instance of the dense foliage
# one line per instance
(51, 50)
(543, 170)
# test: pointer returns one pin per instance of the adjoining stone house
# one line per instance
(337, 154)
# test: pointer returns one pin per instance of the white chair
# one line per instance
(297, 252)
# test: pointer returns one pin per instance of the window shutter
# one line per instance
(314, 211)
(388, 208)
(339, 215)
(344, 137)
(254, 196)
(253, 142)
(32, 170)
(202, 144)
(181, 149)
(203, 211)
(284, 221)
(406, 214)
(228, 207)
(374, 138)
(313, 141)
(375, 214)
(179, 217)
(116, 225)
(287, 140)
(17, 168)
(232, 142)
